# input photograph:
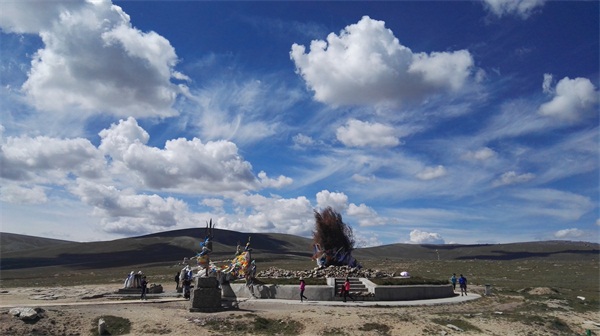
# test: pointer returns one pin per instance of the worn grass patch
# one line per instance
(334, 332)
(381, 329)
(114, 325)
(460, 323)
(255, 325)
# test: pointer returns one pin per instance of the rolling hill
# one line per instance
(20, 252)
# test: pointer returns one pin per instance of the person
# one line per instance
(302, 287)
(177, 281)
(187, 282)
(251, 276)
(346, 292)
(144, 285)
(462, 281)
(453, 281)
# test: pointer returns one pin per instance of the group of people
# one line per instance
(462, 283)
(344, 290)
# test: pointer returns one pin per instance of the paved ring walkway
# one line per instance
(450, 300)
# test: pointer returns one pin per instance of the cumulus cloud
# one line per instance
(572, 100)
(422, 237)
(357, 133)
(48, 160)
(337, 201)
(279, 182)
(189, 166)
(512, 177)
(521, 8)
(430, 173)
(256, 213)
(569, 233)
(125, 212)
(94, 60)
(366, 64)
(365, 215)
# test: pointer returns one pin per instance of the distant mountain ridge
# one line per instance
(21, 251)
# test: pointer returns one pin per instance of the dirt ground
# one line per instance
(73, 310)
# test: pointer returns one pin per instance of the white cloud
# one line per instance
(569, 233)
(430, 173)
(561, 205)
(124, 212)
(337, 201)
(188, 166)
(366, 64)
(521, 8)
(280, 182)
(573, 100)
(547, 84)
(49, 160)
(422, 237)
(256, 213)
(94, 60)
(512, 177)
(16, 194)
(357, 133)
(365, 215)
(482, 154)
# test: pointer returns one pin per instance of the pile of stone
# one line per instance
(327, 272)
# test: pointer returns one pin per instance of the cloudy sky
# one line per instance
(421, 122)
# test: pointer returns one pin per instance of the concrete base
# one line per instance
(327, 292)
(206, 296)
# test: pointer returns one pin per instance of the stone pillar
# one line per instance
(206, 296)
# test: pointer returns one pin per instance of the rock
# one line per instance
(25, 314)
(101, 327)
(453, 327)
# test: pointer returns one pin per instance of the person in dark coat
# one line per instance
(144, 285)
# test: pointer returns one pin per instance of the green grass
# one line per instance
(462, 324)
(114, 325)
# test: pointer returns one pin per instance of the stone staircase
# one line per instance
(357, 289)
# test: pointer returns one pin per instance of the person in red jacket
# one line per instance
(347, 290)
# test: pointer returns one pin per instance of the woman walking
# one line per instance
(302, 287)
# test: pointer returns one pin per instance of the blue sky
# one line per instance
(420, 122)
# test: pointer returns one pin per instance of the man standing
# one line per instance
(462, 281)
(144, 285)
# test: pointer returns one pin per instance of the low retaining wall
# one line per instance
(284, 292)
(327, 293)
(408, 292)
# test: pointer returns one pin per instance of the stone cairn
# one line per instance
(327, 272)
